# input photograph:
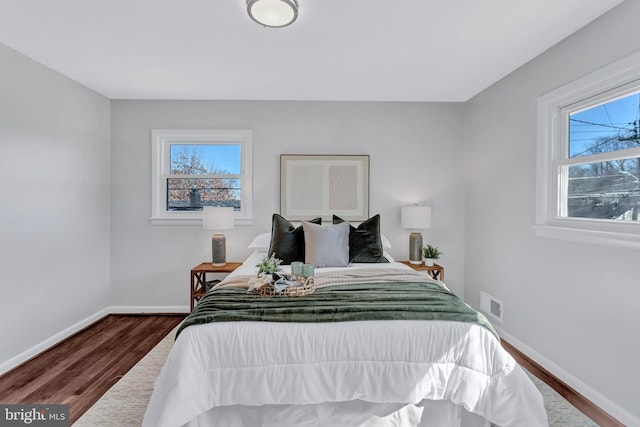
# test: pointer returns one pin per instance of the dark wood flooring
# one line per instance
(576, 399)
(80, 369)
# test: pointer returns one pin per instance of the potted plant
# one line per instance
(269, 265)
(430, 253)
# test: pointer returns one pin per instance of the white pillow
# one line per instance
(261, 242)
(326, 245)
(386, 243)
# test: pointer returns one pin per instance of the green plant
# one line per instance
(269, 265)
(432, 252)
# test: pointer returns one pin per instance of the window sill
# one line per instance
(194, 221)
(597, 237)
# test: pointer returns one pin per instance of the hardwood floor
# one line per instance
(80, 369)
(84, 366)
(576, 399)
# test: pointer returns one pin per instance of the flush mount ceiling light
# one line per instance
(273, 13)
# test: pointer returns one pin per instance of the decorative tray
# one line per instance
(306, 287)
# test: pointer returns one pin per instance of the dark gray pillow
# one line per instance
(326, 245)
(365, 241)
(287, 241)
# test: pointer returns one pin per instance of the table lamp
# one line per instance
(217, 218)
(415, 218)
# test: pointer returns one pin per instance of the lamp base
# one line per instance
(218, 250)
(415, 248)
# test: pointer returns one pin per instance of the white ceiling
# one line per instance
(368, 50)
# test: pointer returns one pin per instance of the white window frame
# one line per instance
(599, 86)
(161, 140)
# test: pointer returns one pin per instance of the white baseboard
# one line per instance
(587, 391)
(51, 341)
(55, 339)
(126, 309)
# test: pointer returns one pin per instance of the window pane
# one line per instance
(203, 159)
(187, 194)
(606, 190)
(607, 127)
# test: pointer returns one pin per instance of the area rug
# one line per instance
(124, 404)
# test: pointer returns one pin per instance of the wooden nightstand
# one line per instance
(199, 278)
(436, 272)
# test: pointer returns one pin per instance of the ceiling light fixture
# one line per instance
(273, 13)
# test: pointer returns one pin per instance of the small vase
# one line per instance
(429, 262)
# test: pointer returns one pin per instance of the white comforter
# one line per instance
(388, 363)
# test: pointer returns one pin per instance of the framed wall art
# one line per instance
(314, 186)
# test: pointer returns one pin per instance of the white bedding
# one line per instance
(373, 373)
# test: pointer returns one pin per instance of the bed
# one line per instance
(359, 351)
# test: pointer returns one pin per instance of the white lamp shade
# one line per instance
(217, 218)
(273, 13)
(415, 217)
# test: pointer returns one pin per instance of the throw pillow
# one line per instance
(326, 245)
(287, 241)
(365, 241)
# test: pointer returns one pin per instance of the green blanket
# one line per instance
(337, 303)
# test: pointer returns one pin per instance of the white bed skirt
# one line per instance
(428, 413)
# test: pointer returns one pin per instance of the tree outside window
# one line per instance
(203, 175)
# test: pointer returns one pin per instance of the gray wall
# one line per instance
(572, 306)
(416, 157)
(54, 220)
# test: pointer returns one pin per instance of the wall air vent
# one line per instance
(491, 306)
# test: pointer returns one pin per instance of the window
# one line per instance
(588, 176)
(196, 168)
(599, 167)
